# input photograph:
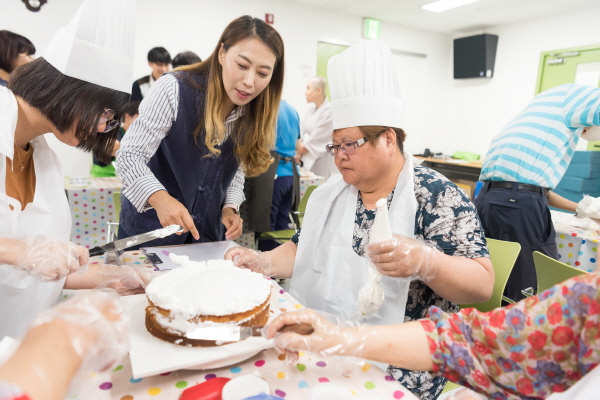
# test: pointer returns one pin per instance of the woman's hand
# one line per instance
(404, 257)
(44, 258)
(171, 212)
(327, 339)
(254, 260)
(233, 223)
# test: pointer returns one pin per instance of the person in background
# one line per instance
(85, 333)
(525, 162)
(102, 170)
(528, 350)
(200, 130)
(159, 61)
(437, 238)
(286, 178)
(43, 97)
(316, 130)
(186, 58)
(15, 50)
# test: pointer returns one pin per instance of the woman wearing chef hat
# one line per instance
(77, 91)
(327, 261)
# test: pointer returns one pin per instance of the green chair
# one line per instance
(551, 272)
(503, 255)
(450, 386)
(285, 235)
(112, 226)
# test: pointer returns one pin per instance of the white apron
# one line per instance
(328, 274)
(48, 215)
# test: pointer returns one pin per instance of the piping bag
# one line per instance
(370, 296)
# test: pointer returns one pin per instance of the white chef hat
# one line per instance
(364, 87)
(97, 45)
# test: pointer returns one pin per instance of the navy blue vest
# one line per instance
(196, 181)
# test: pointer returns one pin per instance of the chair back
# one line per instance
(116, 206)
(551, 272)
(503, 255)
(304, 202)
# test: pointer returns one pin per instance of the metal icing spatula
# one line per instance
(236, 333)
(122, 244)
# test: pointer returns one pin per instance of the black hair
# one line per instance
(11, 45)
(159, 55)
(186, 58)
(70, 102)
(133, 108)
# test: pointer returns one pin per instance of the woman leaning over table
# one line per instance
(527, 350)
(326, 262)
(79, 100)
(199, 130)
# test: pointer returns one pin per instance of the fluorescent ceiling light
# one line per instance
(443, 5)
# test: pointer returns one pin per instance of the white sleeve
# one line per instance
(158, 111)
(315, 143)
(234, 197)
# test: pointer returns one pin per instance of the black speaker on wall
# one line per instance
(475, 56)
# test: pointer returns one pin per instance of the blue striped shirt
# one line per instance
(536, 147)
(158, 111)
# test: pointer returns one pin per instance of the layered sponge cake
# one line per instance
(200, 294)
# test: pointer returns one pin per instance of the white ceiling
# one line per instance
(475, 16)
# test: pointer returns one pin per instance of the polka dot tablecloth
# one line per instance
(577, 247)
(288, 381)
(91, 207)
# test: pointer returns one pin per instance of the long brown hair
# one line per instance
(255, 130)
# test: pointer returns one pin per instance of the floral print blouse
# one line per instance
(446, 217)
(527, 350)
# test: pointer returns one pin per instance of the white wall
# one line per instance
(454, 114)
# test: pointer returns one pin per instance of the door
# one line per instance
(578, 65)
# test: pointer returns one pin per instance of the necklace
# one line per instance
(19, 158)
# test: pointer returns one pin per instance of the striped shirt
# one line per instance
(537, 146)
(158, 111)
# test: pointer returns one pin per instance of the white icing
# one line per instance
(212, 288)
(589, 207)
(167, 231)
(178, 259)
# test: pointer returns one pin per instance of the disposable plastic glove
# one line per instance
(96, 326)
(466, 394)
(589, 207)
(339, 337)
(47, 259)
(126, 280)
(254, 260)
(405, 257)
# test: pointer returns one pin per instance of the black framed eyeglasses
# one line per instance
(346, 146)
(108, 116)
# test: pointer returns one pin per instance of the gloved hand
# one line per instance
(405, 257)
(589, 207)
(126, 280)
(254, 260)
(96, 326)
(340, 338)
(47, 259)
(466, 394)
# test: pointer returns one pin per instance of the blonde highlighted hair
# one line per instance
(254, 132)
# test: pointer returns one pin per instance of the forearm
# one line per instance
(462, 280)
(282, 260)
(403, 345)
(7, 251)
(89, 280)
(557, 201)
(44, 364)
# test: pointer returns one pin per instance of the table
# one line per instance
(577, 246)
(290, 382)
(91, 207)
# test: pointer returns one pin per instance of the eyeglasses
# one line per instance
(346, 146)
(108, 117)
